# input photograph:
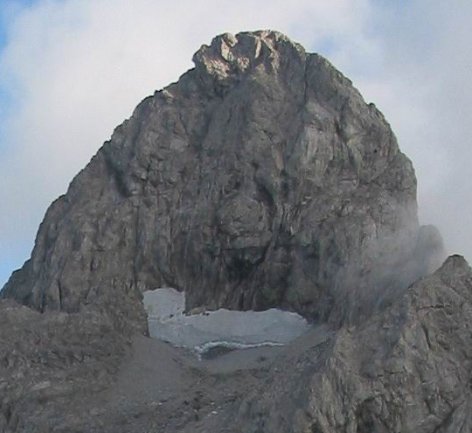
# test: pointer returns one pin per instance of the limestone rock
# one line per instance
(407, 369)
(260, 179)
(53, 365)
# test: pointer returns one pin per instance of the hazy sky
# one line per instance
(72, 70)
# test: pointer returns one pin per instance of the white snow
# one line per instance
(167, 321)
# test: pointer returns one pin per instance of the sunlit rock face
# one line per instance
(205, 330)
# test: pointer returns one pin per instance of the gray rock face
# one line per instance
(407, 369)
(260, 179)
(53, 366)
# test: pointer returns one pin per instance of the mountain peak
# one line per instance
(264, 181)
(232, 55)
(260, 180)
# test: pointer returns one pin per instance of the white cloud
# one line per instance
(77, 68)
(422, 84)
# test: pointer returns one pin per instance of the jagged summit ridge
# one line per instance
(260, 179)
(230, 55)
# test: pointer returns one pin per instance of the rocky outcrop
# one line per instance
(407, 369)
(53, 365)
(260, 179)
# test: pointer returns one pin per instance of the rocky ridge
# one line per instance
(260, 179)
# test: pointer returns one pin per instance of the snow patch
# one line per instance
(167, 321)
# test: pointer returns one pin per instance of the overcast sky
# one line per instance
(72, 70)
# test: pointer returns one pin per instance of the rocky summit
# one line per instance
(259, 180)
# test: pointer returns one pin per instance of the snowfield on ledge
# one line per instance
(168, 321)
